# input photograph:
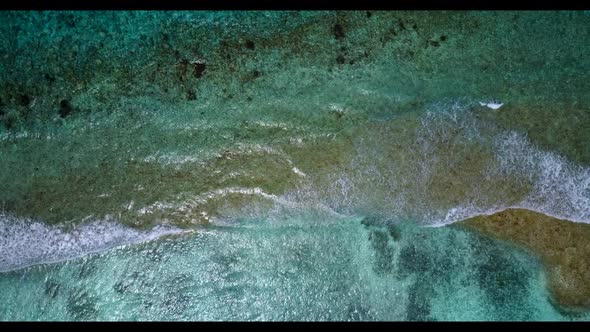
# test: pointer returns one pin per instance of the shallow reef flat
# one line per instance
(563, 246)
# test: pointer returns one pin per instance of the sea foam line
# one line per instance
(25, 242)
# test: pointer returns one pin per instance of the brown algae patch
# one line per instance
(141, 192)
(562, 245)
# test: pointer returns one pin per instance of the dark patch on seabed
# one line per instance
(52, 289)
(503, 276)
(504, 283)
(81, 305)
(420, 294)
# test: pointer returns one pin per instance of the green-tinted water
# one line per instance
(113, 123)
(298, 270)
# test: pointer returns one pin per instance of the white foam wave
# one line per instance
(560, 188)
(24, 242)
(403, 179)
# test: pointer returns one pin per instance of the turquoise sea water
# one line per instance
(298, 270)
(285, 165)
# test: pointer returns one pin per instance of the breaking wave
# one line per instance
(24, 242)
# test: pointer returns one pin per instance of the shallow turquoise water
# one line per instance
(293, 270)
(281, 166)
